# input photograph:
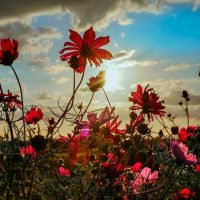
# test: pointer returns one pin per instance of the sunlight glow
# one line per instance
(112, 80)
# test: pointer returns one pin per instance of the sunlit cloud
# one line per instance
(122, 55)
(60, 80)
(179, 67)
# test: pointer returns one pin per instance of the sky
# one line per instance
(153, 42)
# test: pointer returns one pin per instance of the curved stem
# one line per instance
(87, 106)
(70, 103)
(107, 98)
(22, 99)
(163, 125)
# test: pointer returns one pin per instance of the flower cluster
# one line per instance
(79, 152)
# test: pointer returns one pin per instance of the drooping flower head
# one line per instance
(33, 115)
(180, 152)
(29, 150)
(80, 50)
(8, 51)
(96, 83)
(147, 101)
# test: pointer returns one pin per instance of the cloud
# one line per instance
(179, 67)
(97, 13)
(38, 62)
(195, 3)
(34, 40)
(134, 63)
(43, 96)
(123, 55)
(61, 80)
(55, 69)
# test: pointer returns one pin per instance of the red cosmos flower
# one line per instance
(82, 49)
(33, 115)
(8, 51)
(11, 100)
(185, 193)
(184, 133)
(113, 126)
(147, 101)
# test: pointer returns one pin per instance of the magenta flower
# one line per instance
(180, 152)
(63, 172)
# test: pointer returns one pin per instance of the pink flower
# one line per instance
(148, 176)
(180, 151)
(144, 177)
(63, 172)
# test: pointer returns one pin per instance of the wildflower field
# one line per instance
(102, 159)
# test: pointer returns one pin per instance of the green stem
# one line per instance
(22, 99)
(88, 105)
(107, 98)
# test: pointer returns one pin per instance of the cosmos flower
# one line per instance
(63, 172)
(33, 115)
(180, 152)
(144, 177)
(11, 100)
(96, 83)
(80, 50)
(185, 193)
(184, 133)
(147, 101)
(8, 51)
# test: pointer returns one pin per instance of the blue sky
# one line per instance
(157, 45)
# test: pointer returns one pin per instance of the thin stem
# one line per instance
(22, 99)
(32, 179)
(87, 105)
(187, 112)
(107, 98)
(163, 124)
(68, 107)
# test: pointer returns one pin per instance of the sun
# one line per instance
(112, 80)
